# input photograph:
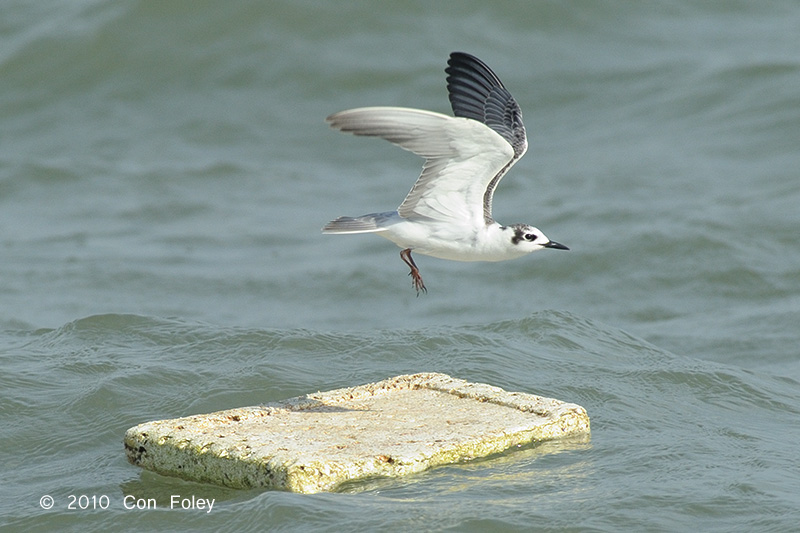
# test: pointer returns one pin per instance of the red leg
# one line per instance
(405, 255)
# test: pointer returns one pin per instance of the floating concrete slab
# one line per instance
(316, 442)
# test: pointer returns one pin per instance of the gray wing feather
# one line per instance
(476, 92)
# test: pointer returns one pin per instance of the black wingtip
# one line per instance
(470, 84)
(464, 62)
(477, 93)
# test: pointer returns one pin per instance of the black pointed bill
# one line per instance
(555, 245)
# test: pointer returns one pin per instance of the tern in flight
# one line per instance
(448, 212)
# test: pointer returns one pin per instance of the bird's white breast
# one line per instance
(454, 242)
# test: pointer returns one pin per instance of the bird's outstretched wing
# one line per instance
(465, 156)
(461, 158)
(476, 92)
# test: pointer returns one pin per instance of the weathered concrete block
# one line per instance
(315, 442)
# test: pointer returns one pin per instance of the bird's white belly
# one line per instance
(451, 242)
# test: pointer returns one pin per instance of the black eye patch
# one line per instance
(520, 234)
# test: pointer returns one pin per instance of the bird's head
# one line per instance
(530, 239)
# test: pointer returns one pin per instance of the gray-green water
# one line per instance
(165, 170)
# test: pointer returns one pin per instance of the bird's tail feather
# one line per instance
(363, 224)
